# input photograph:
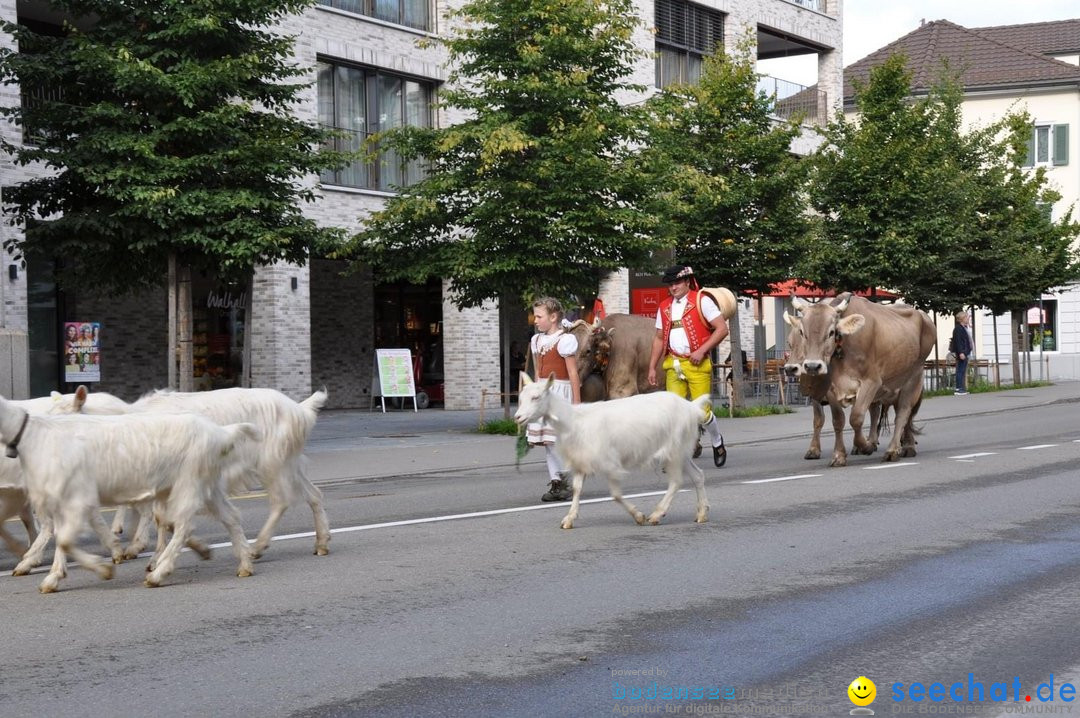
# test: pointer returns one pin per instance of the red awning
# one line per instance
(809, 290)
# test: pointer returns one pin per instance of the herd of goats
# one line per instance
(170, 456)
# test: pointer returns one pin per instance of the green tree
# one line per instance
(533, 192)
(165, 132)
(730, 195)
(890, 187)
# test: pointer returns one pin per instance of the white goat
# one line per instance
(73, 464)
(276, 464)
(612, 437)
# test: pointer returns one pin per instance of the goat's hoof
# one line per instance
(321, 550)
(654, 519)
(47, 587)
(639, 518)
(150, 567)
(701, 519)
(567, 524)
(151, 582)
(244, 572)
(105, 571)
(20, 571)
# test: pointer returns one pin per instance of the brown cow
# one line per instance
(619, 347)
(867, 353)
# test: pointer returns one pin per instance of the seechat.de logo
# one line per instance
(862, 693)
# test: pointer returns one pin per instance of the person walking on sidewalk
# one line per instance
(961, 345)
(554, 351)
(685, 339)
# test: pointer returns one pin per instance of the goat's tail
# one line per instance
(315, 402)
(249, 432)
(702, 403)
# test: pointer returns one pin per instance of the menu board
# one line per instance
(393, 375)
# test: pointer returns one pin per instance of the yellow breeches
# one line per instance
(688, 379)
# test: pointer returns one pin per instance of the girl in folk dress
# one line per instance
(554, 351)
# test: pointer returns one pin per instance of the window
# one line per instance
(1048, 145)
(412, 13)
(1041, 320)
(685, 33)
(361, 102)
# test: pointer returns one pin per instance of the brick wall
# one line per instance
(470, 353)
(342, 317)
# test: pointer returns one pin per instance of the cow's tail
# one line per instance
(883, 422)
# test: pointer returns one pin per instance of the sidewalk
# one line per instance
(347, 444)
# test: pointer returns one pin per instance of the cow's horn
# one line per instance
(799, 304)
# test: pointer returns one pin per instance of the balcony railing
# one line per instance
(792, 100)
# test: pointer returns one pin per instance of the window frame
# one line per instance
(368, 9)
(695, 26)
(1056, 145)
(374, 177)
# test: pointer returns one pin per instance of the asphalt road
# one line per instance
(960, 565)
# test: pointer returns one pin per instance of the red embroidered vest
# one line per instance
(697, 331)
(551, 361)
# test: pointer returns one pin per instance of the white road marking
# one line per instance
(890, 466)
(1036, 446)
(972, 456)
(782, 478)
(965, 461)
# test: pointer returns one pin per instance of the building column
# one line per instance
(280, 331)
(831, 81)
(470, 353)
(615, 292)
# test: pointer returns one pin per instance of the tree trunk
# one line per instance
(1017, 339)
(183, 316)
(997, 357)
(504, 322)
(738, 390)
(172, 352)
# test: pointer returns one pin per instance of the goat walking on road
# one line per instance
(613, 437)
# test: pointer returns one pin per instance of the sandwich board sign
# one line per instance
(393, 376)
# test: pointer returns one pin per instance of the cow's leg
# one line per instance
(814, 452)
(907, 441)
(910, 398)
(673, 469)
(863, 400)
(839, 456)
(575, 502)
(876, 412)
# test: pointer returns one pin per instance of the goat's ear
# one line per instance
(56, 396)
(525, 379)
(80, 397)
(550, 382)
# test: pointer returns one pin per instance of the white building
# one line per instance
(1033, 67)
(295, 328)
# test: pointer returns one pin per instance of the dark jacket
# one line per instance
(961, 341)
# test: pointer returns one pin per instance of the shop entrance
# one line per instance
(410, 316)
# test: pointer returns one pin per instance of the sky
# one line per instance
(872, 24)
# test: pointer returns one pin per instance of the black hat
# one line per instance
(677, 273)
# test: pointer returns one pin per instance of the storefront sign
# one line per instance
(82, 352)
(226, 300)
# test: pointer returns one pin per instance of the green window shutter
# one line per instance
(1061, 144)
(1029, 161)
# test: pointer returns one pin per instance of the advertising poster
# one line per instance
(82, 352)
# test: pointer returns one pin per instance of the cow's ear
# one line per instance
(793, 322)
(850, 324)
(525, 379)
(610, 332)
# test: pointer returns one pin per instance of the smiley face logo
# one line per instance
(862, 691)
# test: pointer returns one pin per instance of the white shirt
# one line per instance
(542, 344)
(678, 341)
